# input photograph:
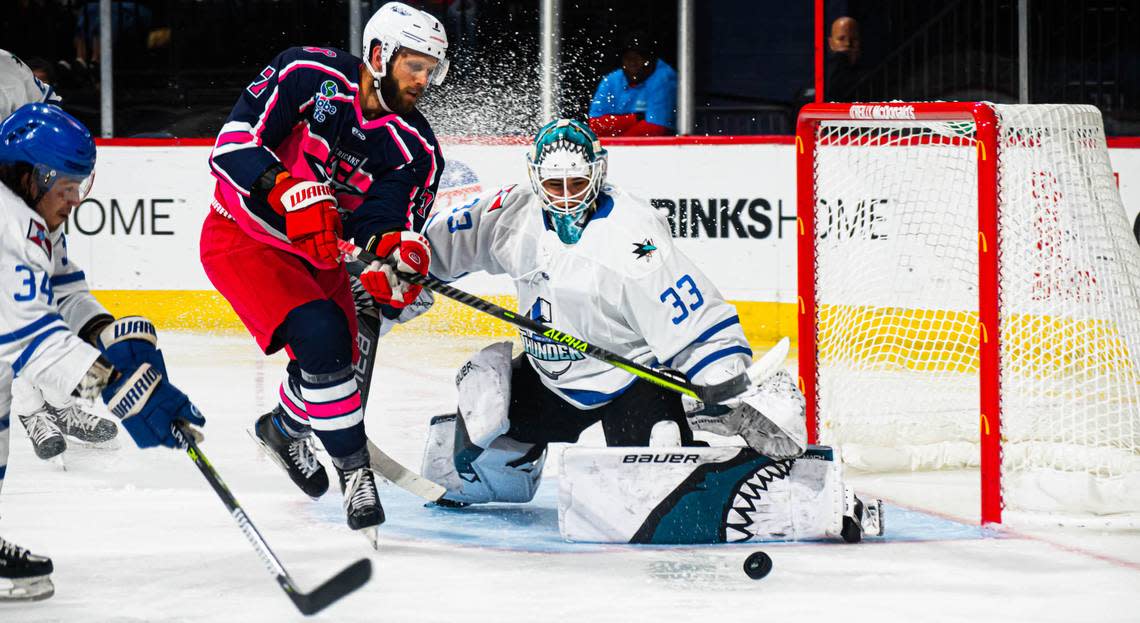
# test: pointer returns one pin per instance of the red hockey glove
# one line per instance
(410, 253)
(311, 220)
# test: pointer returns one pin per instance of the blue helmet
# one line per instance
(567, 149)
(56, 144)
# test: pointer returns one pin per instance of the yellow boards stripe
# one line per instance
(206, 310)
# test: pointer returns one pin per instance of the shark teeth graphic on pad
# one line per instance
(740, 524)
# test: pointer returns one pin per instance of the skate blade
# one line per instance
(27, 589)
(110, 444)
(372, 533)
(58, 461)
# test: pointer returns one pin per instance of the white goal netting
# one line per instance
(896, 269)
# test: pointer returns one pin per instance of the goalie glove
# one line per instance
(391, 316)
(769, 415)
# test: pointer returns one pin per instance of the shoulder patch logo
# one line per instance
(257, 87)
(38, 234)
(644, 250)
(328, 88)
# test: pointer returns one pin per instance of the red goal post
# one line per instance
(889, 251)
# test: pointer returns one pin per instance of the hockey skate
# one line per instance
(294, 454)
(361, 502)
(87, 428)
(23, 575)
(861, 518)
(47, 440)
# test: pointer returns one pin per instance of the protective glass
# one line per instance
(47, 177)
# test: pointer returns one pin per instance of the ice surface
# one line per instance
(138, 535)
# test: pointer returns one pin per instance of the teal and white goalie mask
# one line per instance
(567, 170)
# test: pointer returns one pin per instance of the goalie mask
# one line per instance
(567, 170)
(397, 25)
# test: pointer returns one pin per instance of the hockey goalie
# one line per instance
(599, 263)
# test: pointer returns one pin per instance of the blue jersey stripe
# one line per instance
(704, 337)
(60, 280)
(4, 423)
(30, 328)
(720, 354)
(591, 398)
(30, 350)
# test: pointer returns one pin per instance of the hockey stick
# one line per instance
(351, 578)
(367, 340)
(718, 392)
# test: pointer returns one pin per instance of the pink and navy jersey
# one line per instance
(303, 112)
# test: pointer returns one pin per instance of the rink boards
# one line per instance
(730, 203)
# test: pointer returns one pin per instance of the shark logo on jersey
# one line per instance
(548, 349)
(644, 250)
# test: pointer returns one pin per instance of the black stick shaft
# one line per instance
(348, 580)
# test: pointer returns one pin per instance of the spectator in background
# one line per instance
(844, 52)
(640, 99)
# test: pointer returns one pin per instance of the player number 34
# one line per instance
(688, 299)
(29, 285)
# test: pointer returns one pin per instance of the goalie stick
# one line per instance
(351, 578)
(715, 393)
(367, 340)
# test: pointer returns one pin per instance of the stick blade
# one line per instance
(403, 477)
(351, 578)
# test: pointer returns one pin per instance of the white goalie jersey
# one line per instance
(45, 301)
(623, 287)
(19, 86)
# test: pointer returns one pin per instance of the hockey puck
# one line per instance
(757, 565)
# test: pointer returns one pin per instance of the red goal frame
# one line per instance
(986, 133)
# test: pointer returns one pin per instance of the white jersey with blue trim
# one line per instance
(19, 86)
(623, 287)
(37, 329)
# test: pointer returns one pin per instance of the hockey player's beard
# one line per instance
(392, 99)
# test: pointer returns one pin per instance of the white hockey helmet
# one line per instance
(397, 25)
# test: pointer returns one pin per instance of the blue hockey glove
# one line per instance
(141, 397)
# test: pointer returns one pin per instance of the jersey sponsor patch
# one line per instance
(322, 106)
(38, 234)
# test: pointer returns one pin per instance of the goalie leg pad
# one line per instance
(484, 385)
(506, 471)
(698, 495)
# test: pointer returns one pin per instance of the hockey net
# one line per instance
(970, 296)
